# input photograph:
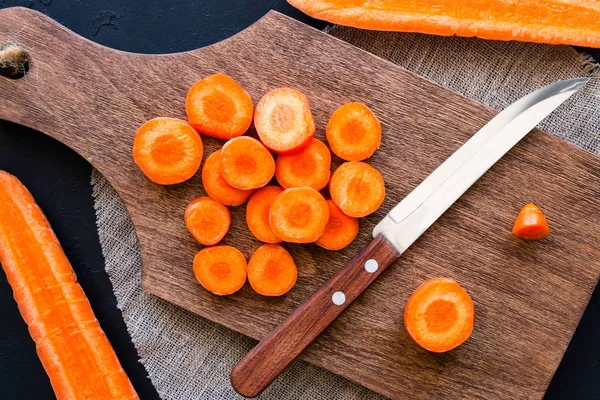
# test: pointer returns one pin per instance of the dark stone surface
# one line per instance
(60, 181)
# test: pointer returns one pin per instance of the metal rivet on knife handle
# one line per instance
(338, 298)
(371, 266)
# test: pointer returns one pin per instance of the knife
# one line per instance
(401, 227)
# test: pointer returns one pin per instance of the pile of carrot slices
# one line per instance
(283, 174)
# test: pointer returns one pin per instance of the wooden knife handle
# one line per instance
(278, 349)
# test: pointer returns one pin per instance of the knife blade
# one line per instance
(401, 227)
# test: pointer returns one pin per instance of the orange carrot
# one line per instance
(218, 106)
(167, 150)
(217, 188)
(207, 220)
(353, 132)
(283, 120)
(246, 163)
(299, 215)
(220, 269)
(357, 188)
(308, 167)
(531, 223)
(439, 315)
(340, 230)
(70, 343)
(563, 21)
(257, 213)
(272, 270)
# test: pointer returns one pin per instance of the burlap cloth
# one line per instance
(189, 357)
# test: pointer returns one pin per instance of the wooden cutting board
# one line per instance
(529, 296)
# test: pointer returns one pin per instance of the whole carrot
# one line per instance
(70, 343)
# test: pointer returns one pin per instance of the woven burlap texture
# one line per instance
(189, 357)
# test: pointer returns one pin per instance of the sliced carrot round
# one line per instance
(272, 270)
(309, 167)
(246, 163)
(207, 220)
(299, 215)
(353, 132)
(439, 315)
(218, 106)
(283, 120)
(531, 223)
(257, 213)
(221, 270)
(168, 150)
(357, 188)
(217, 188)
(340, 230)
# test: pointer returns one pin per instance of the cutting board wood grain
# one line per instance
(529, 296)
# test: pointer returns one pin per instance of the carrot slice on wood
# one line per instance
(207, 220)
(257, 213)
(340, 230)
(299, 215)
(531, 223)
(357, 188)
(246, 163)
(217, 188)
(283, 120)
(353, 132)
(168, 150)
(439, 315)
(309, 167)
(221, 270)
(564, 21)
(272, 270)
(70, 343)
(218, 106)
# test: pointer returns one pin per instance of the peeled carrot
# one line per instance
(299, 215)
(70, 343)
(308, 167)
(246, 163)
(207, 220)
(272, 270)
(221, 270)
(340, 230)
(257, 213)
(357, 188)
(283, 120)
(531, 223)
(439, 315)
(217, 188)
(218, 106)
(167, 150)
(353, 132)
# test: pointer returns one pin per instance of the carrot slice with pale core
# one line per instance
(168, 150)
(70, 343)
(353, 132)
(217, 188)
(531, 223)
(272, 270)
(221, 270)
(357, 188)
(246, 163)
(207, 220)
(257, 213)
(218, 106)
(439, 315)
(310, 167)
(340, 230)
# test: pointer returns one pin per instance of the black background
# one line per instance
(60, 181)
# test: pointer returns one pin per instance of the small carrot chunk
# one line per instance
(309, 167)
(246, 164)
(531, 223)
(353, 132)
(357, 188)
(167, 150)
(340, 230)
(272, 270)
(217, 188)
(283, 120)
(439, 315)
(221, 270)
(299, 215)
(217, 106)
(207, 220)
(257, 213)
